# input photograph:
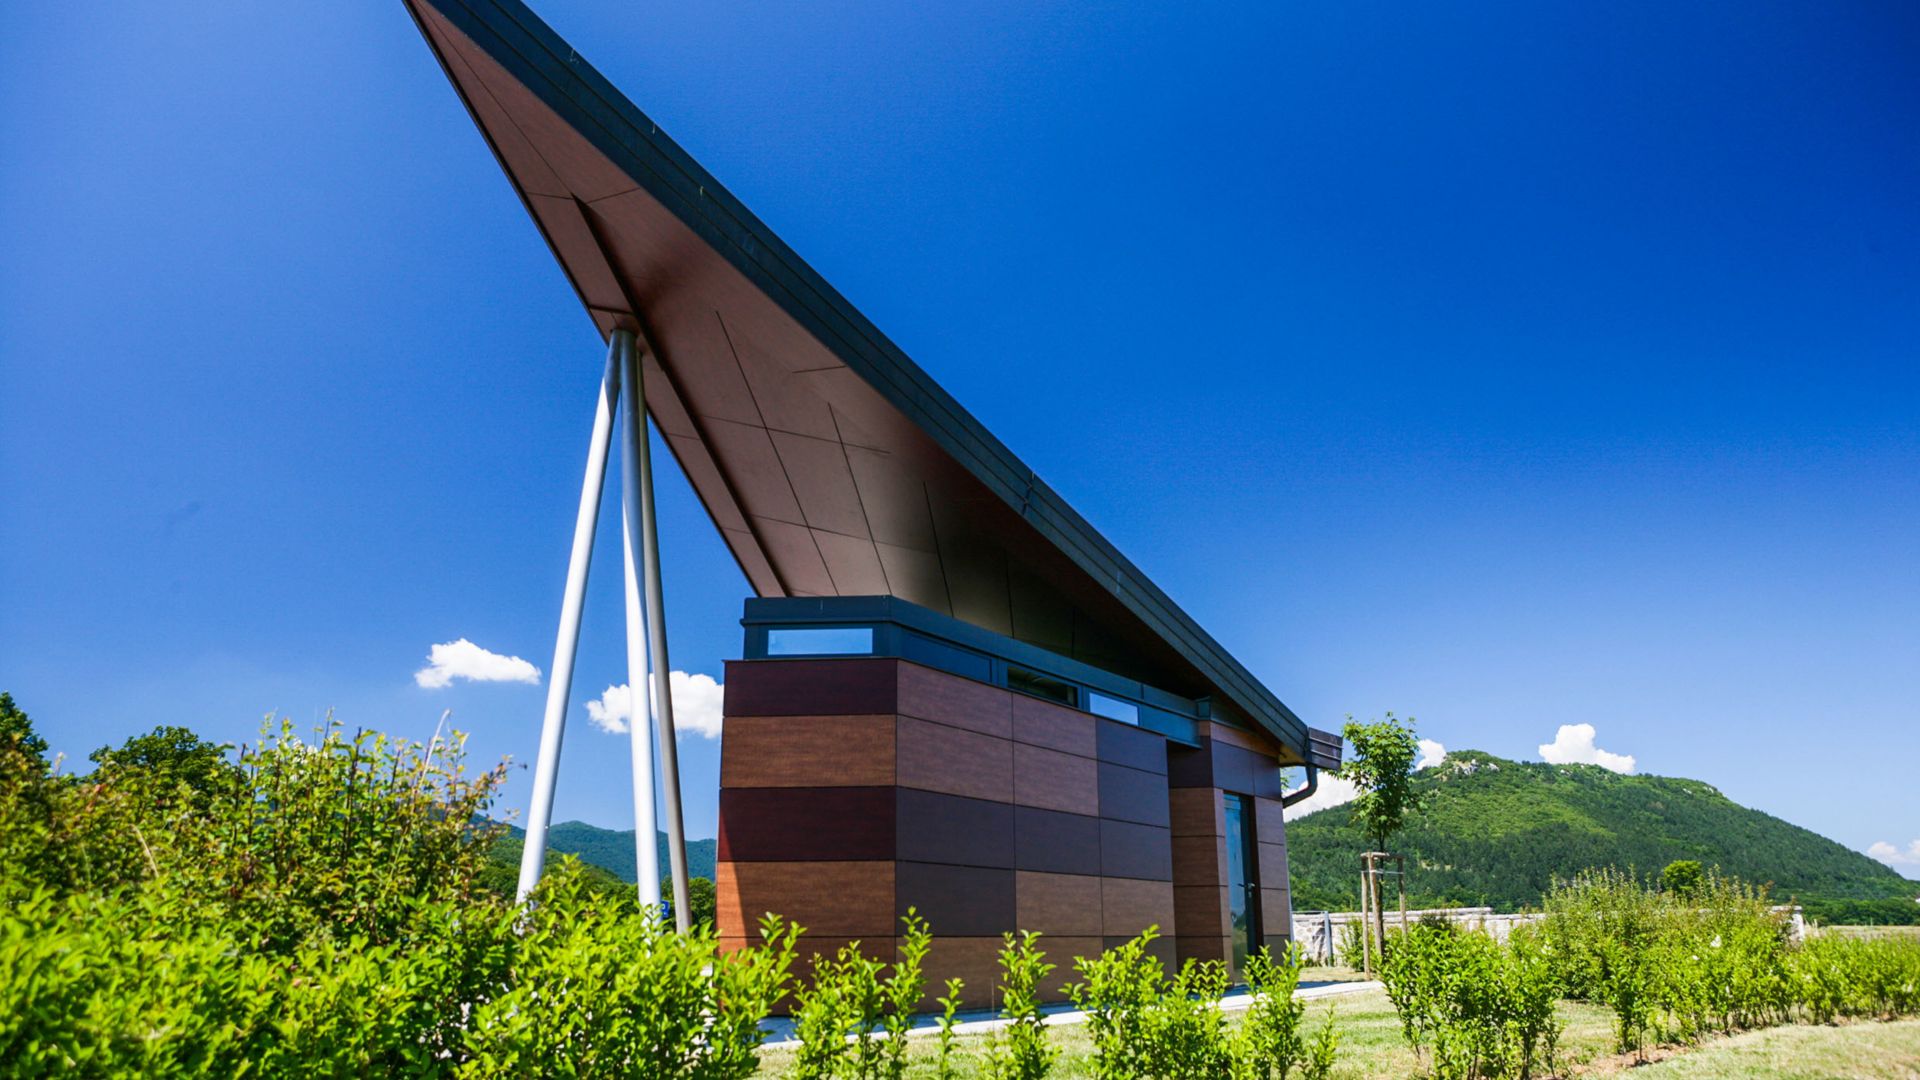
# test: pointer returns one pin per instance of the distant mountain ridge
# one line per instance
(612, 849)
(1499, 833)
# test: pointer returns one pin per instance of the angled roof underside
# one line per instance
(832, 465)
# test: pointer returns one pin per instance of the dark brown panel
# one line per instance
(794, 824)
(1161, 948)
(1200, 860)
(1273, 865)
(949, 699)
(1188, 767)
(1232, 767)
(1050, 841)
(806, 751)
(1124, 744)
(1056, 781)
(1064, 904)
(1277, 943)
(1135, 851)
(935, 757)
(938, 828)
(1275, 905)
(854, 899)
(1063, 951)
(1202, 949)
(1127, 906)
(1200, 910)
(1269, 820)
(1196, 812)
(1055, 727)
(1233, 736)
(1131, 795)
(975, 960)
(956, 901)
(810, 687)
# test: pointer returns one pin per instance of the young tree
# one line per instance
(1381, 771)
(1682, 877)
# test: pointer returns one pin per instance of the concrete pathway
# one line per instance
(981, 1021)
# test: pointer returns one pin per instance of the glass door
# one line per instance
(1243, 880)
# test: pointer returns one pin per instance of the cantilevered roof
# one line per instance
(832, 465)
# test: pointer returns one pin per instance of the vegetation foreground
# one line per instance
(318, 907)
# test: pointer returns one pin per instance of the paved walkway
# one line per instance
(980, 1021)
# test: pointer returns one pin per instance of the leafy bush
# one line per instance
(1482, 1008)
(1269, 1043)
(1832, 977)
(838, 1011)
(1145, 1024)
(1021, 1051)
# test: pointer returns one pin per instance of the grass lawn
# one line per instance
(1867, 1051)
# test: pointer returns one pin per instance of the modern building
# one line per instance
(954, 695)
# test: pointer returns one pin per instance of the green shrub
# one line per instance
(848, 999)
(1020, 1051)
(1269, 1043)
(949, 1011)
(1481, 1008)
(1833, 977)
(1145, 1024)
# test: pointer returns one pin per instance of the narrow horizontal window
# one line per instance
(1113, 708)
(1042, 686)
(821, 641)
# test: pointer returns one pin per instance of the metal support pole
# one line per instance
(633, 435)
(662, 697)
(560, 676)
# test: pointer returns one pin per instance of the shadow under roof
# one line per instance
(831, 464)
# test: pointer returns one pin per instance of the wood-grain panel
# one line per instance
(1200, 860)
(1055, 781)
(1056, 727)
(1161, 948)
(1200, 910)
(1135, 851)
(1057, 904)
(1053, 842)
(933, 827)
(1269, 820)
(936, 757)
(1196, 811)
(845, 899)
(926, 694)
(975, 960)
(1273, 865)
(1063, 951)
(856, 687)
(1276, 911)
(1125, 744)
(1204, 948)
(1128, 794)
(807, 751)
(960, 901)
(1128, 906)
(792, 824)
(1233, 736)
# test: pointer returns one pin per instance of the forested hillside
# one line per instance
(612, 850)
(1499, 832)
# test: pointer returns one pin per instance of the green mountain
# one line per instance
(1498, 832)
(613, 850)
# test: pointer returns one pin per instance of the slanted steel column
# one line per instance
(662, 697)
(633, 473)
(560, 675)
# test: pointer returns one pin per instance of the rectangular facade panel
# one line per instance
(938, 828)
(852, 899)
(786, 824)
(960, 901)
(807, 751)
(1195, 811)
(1050, 841)
(926, 694)
(810, 688)
(1135, 851)
(1128, 906)
(1128, 794)
(936, 757)
(1131, 746)
(1066, 905)
(1054, 780)
(1056, 727)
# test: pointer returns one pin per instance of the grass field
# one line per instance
(1371, 1046)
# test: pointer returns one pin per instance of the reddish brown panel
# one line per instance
(1276, 908)
(1053, 842)
(932, 827)
(1127, 906)
(850, 899)
(1135, 851)
(1132, 795)
(1272, 869)
(974, 960)
(1269, 821)
(1200, 860)
(1204, 948)
(806, 751)
(935, 757)
(958, 901)
(1196, 812)
(1056, 781)
(1124, 744)
(796, 824)
(1063, 904)
(1233, 768)
(1056, 727)
(927, 694)
(1233, 736)
(859, 687)
(1200, 910)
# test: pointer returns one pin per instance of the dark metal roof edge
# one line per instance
(556, 73)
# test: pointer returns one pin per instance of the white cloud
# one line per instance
(1431, 754)
(697, 701)
(462, 659)
(1333, 792)
(1894, 856)
(1573, 745)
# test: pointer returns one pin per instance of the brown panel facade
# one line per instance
(790, 824)
(960, 901)
(1135, 851)
(1128, 906)
(1056, 727)
(937, 757)
(850, 899)
(1128, 794)
(810, 687)
(926, 694)
(1124, 744)
(1049, 840)
(938, 828)
(1053, 780)
(1066, 905)
(807, 751)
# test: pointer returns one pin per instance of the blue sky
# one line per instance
(1508, 365)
